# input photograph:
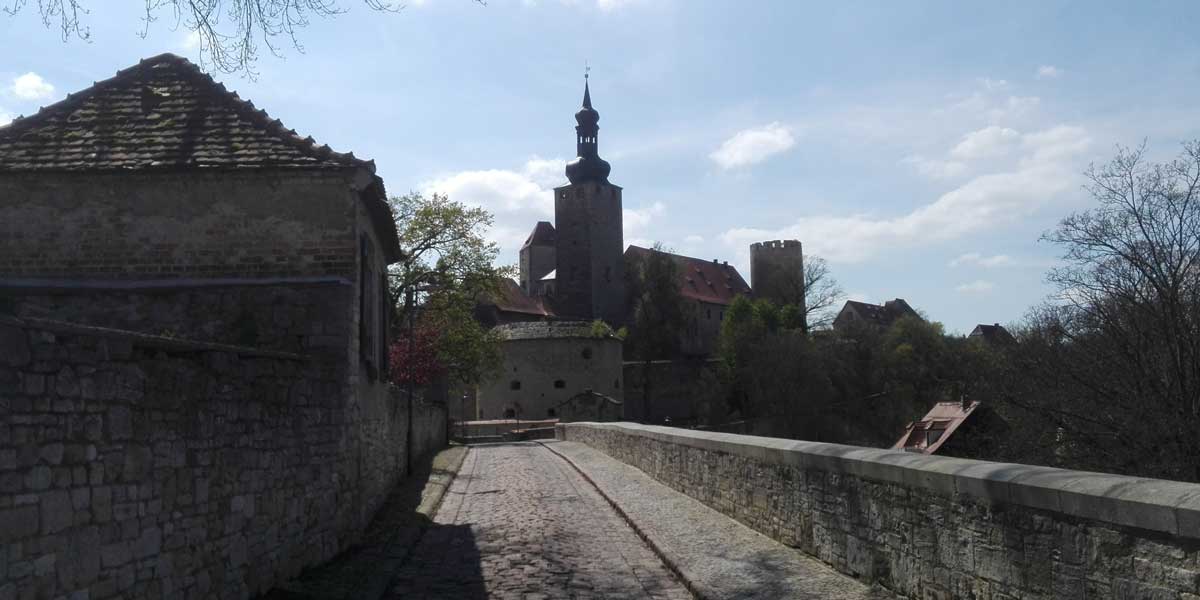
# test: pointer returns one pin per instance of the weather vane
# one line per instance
(586, 69)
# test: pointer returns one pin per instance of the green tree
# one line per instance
(447, 265)
(659, 318)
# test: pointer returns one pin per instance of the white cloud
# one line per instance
(992, 84)
(754, 145)
(636, 220)
(517, 199)
(978, 286)
(693, 239)
(975, 258)
(191, 41)
(608, 5)
(31, 86)
(988, 142)
(1047, 170)
(1048, 72)
(936, 169)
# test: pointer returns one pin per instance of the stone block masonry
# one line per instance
(933, 527)
(138, 466)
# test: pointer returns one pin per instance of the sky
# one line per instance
(922, 148)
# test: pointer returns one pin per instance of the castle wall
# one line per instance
(536, 365)
(777, 271)
(135, 466)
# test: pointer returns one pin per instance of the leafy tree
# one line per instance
(447, 265)
(229, 31)
(658, 316)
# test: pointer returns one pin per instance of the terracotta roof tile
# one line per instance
(703, 280)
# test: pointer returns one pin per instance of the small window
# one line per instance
(550, 413)
(587, 353)
(617, 384)
(708, 314)
(514, 385)
(509, 413)
(559, 384)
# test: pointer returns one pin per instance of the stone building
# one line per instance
(878, 317)
(545, 365)
(992, 335)
(707, 288)
(777, 271)
(158, 201)
(205, 290)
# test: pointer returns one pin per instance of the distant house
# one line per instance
(856, 314)
(707, 287)
(994, 334)
(965, 430)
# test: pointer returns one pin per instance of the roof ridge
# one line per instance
(257, 117)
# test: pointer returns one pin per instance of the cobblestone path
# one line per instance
(519, 522)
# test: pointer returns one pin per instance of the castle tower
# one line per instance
(537, 258)
(777, 271)
(590, 276)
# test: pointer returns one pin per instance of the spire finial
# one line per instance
(587, 94)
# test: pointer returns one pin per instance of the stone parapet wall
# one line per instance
(137, 466)
(933, 527)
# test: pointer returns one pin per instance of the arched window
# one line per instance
(559, 384)
(514, 385)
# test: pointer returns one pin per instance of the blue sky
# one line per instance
(921, 147)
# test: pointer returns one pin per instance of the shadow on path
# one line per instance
(365, 570)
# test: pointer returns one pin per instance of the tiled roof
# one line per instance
(928, 434)
(699, 279)
(882, 315)
(511, 298)
(162, 112)
(543, 235)
(992, 333)
(165, 113)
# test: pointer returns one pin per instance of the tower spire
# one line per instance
(587, 95)
(587, 166)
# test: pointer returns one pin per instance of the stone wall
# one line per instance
(292, 316)
(545, 364)
(678, 389)
(177, 225)
(933, 527)
(136, 466)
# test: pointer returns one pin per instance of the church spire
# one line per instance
(587, 166)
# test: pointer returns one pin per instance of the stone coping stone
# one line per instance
(1171, 507)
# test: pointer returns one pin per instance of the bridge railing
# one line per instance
(929, 526)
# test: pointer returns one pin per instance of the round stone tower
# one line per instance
(777, 271)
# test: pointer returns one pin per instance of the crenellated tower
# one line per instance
(590, 276)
